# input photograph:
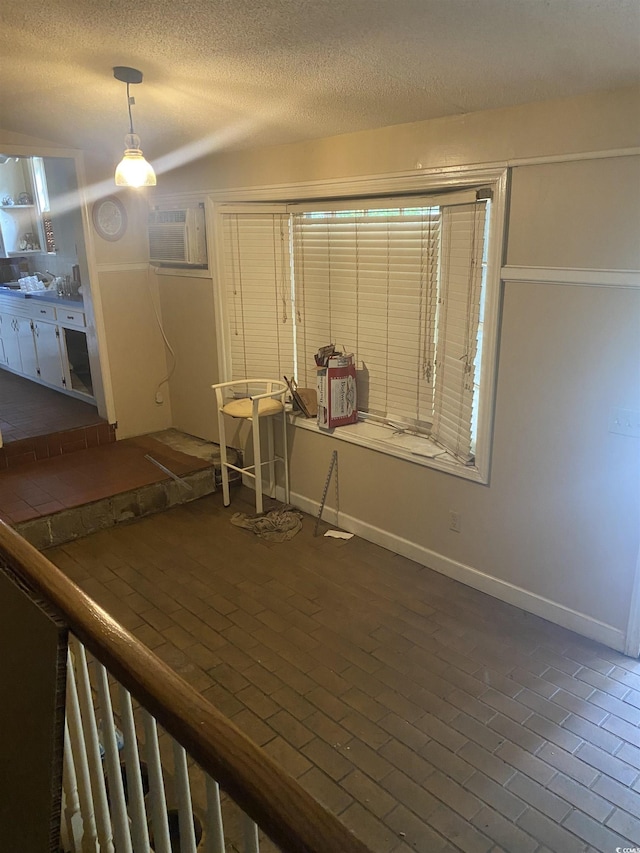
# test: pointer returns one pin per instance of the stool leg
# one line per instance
(285, 458)
(223, 460)
(272, 457)
(257, 461)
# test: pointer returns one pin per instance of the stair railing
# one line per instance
(115, 767)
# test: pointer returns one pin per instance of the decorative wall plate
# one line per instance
(109, 218)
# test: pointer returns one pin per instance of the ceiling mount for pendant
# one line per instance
(126, 74)
(133, 170)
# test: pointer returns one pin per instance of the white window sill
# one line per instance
(384, 439)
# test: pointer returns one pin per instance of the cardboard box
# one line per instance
(337, 402)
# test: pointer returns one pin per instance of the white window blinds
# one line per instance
(366, 281)
(258, 294)
(459, 289)
(396, 281)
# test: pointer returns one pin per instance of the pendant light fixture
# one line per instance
(133, 170)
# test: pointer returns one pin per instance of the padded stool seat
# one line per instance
(265, 401)
(243, 408)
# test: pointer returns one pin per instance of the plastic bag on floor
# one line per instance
(278, 525)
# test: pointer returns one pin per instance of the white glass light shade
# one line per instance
(133, 170)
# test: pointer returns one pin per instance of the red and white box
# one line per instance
(337, 398)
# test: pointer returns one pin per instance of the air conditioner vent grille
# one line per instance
(177, 237)
(166, 246)
(164, 216)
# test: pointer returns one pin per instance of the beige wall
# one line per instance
(133, 352)
(564, 496)
(582, 214)
(589, 123)
(137, 363)
(559, 516)
(192, 336)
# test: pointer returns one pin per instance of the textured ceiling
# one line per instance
(235, 73)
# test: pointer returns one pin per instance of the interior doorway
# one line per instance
(50, 373)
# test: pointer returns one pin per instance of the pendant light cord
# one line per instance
(129, 99)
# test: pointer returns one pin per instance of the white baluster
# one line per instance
(214, 833)
(66, 835)
(139, 830)
(251, 842)
(157, 799)
(183, 793)
(83, 776)
(100, 803)
(119, 816)
(71, 823)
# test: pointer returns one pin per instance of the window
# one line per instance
(40, 183)
(398, 281)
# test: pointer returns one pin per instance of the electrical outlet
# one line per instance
(454, 521)
(625, 422)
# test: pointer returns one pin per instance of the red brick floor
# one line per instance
(28, 409)
(35, 489)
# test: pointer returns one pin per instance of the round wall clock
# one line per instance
(109, 218)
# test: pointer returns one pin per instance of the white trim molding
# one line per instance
(420, 180)
(131, 267)
(182, 272)
(379, 437)
(315, 189)
(552, 611)
(140, 266)
(632, 646)
(567, 275)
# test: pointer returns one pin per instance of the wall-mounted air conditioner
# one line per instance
(177, 237)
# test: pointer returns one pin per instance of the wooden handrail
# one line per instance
(273, 799)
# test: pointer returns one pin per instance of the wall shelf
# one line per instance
(19, 221)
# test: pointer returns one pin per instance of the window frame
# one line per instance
(277, 198)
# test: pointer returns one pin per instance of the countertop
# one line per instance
(47, 296)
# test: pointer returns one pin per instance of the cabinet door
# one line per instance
(47, 338)
(27, 344)
(76, 357)
(11, 346)
(4, 332)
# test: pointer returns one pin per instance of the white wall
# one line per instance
(555, 531)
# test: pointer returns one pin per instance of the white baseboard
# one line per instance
(581, 623)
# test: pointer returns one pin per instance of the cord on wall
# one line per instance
(159, 397)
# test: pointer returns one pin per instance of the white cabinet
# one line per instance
(10, 344)
(27, 344)
(19, 349)
(46, 342)
(43, 312)
(50, 362)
